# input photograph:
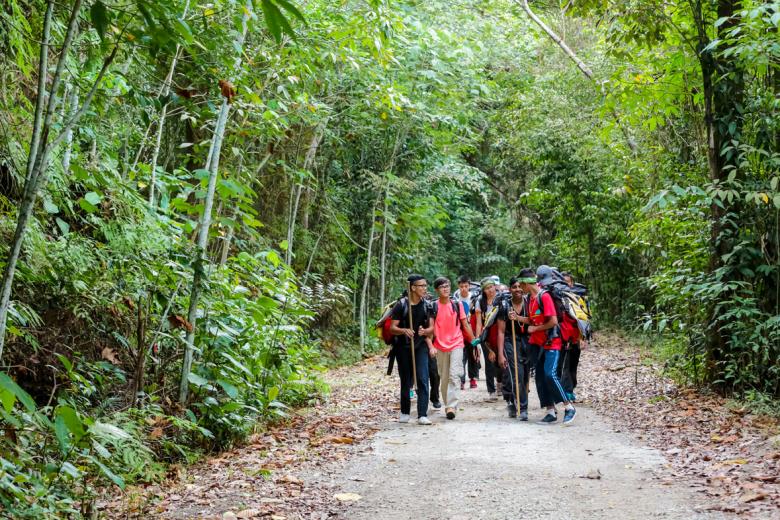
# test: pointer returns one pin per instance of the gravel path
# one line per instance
(484, 465)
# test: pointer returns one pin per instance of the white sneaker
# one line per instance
(404, 418)
(492, 397)
(424, 421)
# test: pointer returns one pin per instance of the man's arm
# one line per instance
(550, 322)
(395, 330)
(501, 324)
(429, 331)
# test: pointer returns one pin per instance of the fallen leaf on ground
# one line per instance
(348, 497)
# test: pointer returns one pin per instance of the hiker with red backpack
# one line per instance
(544, 333)
(450, 326)
(410, 324)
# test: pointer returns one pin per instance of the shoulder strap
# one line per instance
(456, 310)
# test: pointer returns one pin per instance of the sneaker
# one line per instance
(473, 383)
(424, 421)
(549, 418)
(404, 418)
(569, 415)
(511, 410)
(436, 405)
(492, 396)
(462, 385)
(523, 415)
(450, 413)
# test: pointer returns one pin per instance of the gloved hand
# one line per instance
(475, 342)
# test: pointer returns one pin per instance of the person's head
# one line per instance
(488, 285)
(568, 278)
(501, 288)
(515, 288)
(464, 283)
(544, 275)
(527, 280)
(442, 286)
(419, 286)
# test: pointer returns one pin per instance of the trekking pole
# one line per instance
(411, 342)
(517, 373)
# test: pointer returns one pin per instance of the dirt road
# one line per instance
(483, 465)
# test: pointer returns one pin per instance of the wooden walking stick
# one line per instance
(514, 351)
(411, 342)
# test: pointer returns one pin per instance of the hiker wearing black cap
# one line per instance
(415, 333)
(482, 309)
(543, 330)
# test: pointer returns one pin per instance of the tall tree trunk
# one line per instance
(308, 160)
(722, 86)
(199, 274)
(71, 104)
(164, 91)
(41, 148)
(383, 259)
(362, 313)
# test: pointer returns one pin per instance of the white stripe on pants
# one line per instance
(450, 370)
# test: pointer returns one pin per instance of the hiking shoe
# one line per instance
(569, 415)
(404, 418)
(473, 383)
(549, 418)
(436, 405)
(523, 415)
(450, 413)
(511, 410)
(424, 421)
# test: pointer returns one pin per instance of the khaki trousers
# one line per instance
(450, 371)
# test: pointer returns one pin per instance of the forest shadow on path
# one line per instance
(639, 448)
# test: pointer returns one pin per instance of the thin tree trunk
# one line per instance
(229, 238)
(199, 274)
(580, 65)
(383, 260)
(40, 149)
(140, 361)
(166, 88)
(366, 279)
(311, 152)
(72, 103)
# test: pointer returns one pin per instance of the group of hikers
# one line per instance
(537, 324)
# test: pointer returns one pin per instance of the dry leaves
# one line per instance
(726, 454)
(271, 476)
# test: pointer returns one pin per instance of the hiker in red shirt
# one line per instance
(449, 322)
(544, 332)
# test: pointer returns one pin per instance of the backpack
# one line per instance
(571, 302)
(489, 332)
(455, 309)
(383, 324)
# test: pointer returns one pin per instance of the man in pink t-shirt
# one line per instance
(448, 323)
